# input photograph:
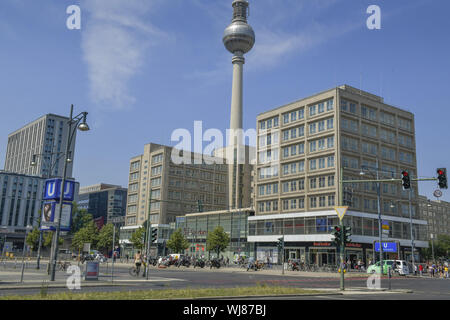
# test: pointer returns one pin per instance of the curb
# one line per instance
(38, 286)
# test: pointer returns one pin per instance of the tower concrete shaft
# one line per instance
(238, 38)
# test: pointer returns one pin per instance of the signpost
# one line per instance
(341, 210)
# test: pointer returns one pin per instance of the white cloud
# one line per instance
(115, 40)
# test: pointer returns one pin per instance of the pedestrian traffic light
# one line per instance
(337, 236)
(154, 234)
(280, 243)
(200, 206)
(406, 183)
(347, 234)
(442, 178)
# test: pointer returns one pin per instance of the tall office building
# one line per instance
(46, 137)
(301, 148)
(103, 201)
(174, 189)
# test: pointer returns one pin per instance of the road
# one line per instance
(178, 278)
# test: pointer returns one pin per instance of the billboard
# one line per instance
(50, 211)
(53, 189)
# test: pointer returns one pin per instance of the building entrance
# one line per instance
(321, 257)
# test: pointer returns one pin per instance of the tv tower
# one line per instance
(239, 39)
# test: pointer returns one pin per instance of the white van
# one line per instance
(402, 267)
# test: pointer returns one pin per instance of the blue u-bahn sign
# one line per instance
(53, 189)
(387, 246)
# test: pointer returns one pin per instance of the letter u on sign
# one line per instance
(51, 189)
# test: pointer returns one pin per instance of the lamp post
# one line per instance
(81, 117)
(411, 229)
(380, 235)
(28, 227)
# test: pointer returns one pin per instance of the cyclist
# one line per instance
(138, 262)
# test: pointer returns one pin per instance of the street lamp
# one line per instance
(79, 121)
(379, 214)
(27, 229)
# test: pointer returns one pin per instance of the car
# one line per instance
(375, 268)
(402, 267)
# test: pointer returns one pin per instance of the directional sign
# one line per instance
(387, 247)
(341, 210)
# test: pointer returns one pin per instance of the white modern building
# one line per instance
(46, 138)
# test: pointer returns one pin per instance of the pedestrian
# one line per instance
(446, 271)
(138, 262)
(420, 269)
(268, 262)
(228, 261)
(126, 256)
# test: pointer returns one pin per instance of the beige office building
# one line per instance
(301, 148)
(179, 187)
(437, 215)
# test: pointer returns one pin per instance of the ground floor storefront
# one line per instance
(322, 253)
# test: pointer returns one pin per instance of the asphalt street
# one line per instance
(402, 288)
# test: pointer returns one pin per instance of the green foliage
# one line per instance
(137, 238)
(80, 219)
(177, 242)
(441, 248)
(105, 238)
(33, 239)
(87, 234)
(47, 239)
(217, 240)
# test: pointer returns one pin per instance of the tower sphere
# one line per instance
(239, 35)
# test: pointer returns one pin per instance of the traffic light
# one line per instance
(347, 234)
(337, 236)
(200, 206)
(280, 243)
(442, 178)
(406, 183)
(154, 234)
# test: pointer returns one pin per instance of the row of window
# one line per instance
(371, 114)
(296, 203)
(299, 114)
(269, 123)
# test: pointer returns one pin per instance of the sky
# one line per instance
(144, 68)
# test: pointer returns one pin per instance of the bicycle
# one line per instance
(62, 266)
(133, 271)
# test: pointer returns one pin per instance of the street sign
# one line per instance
(341, 210)
(437, 193)
(387, 246)
(53, 189)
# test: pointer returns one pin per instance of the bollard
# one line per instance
(389, 278)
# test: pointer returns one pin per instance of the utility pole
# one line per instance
(342, 247)
(411, 229)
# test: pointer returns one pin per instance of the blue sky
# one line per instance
(135, 62)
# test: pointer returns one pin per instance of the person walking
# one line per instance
(420, 269)
(138, 262)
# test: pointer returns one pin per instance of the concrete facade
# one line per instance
(44, 136)
(437, 215)
(301, 148)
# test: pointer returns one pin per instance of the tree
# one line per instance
(177, 242)
(137, 238)
(105, 238)
(217, 240)
(33, 239)
(87, 234)
(80, 218)
(441, 248)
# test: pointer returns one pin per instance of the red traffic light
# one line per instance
(440, 172)
(405, 173)
(337, 229)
